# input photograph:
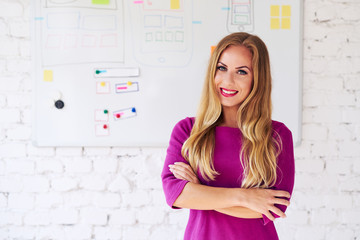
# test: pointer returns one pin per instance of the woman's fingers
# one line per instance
(280, 193)
(183, 171)
(281, 201)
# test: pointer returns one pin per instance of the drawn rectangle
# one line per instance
(108, 40)
(124, 113)
(101, 130)
(126, 87)
(152, 21)
(67, 20)
(116, 72)
(71, 41)
(87, 4)
(100, 116)
(54, 41)
(88, 41)
(174, 22)
(99, 22)
(102, 87)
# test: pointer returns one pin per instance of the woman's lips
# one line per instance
(227, 92)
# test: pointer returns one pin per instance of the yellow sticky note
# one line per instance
(48, 75)
(105, 2)
(286, 11)
(274, 23)
(274, 10)
(174, 4)
(285, 23)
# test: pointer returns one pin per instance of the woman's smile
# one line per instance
(227, 92)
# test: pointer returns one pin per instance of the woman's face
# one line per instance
(234, 76)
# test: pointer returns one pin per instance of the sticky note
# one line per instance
(286, 11)
(212, 49)
(174, 4)
(105, 2)
(48, 75)
(275, 23)
(274, 10)
(285, 23)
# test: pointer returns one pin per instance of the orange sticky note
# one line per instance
(48, 75)
(212, 49)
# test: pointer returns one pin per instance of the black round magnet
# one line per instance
(59, 104)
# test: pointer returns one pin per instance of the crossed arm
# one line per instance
(236, 202)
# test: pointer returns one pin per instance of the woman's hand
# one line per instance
(184, 171)
(264, 200)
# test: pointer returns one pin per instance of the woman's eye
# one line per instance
(242, 72)
(221, 68)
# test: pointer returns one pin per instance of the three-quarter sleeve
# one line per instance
(172, 186)
(286, 167)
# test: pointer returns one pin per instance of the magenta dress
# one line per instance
(209, 224)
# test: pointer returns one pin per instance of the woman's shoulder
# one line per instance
(185, 125)
(280, 127)
(282, 131)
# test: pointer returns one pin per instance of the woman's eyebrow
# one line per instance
(243, 67)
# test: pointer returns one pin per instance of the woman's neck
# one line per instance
(229, 118)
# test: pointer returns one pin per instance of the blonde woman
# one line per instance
(232, 166)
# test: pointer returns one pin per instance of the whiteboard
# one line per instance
(124, 72)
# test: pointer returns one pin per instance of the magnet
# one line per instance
(106, 111)
(59, 104)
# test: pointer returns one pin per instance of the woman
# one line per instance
(232, 166)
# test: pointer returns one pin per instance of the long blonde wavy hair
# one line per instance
(260, 147)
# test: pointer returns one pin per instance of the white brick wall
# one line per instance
(115, 193)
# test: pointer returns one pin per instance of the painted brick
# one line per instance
(21, 201)
(314, 132)
(78, 232)
(78, 198)
(19, 132)
(11, 183)
(350, 216)
(93, 182)
(36, 184)
(40, 151)
(11, 150)
(77, 165)
(9, 116)
(69, 151)
(105, 165)
(48, 200)
(310, 166)
(107, 233)
(94, 216)
(64, 184)
(64, 215)
(122, 217)
(340, 166)
(37, 218)
(323, 217)
(107, 200)
(48, 165)
(20, 166)
(119, 184)
(338, 202)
